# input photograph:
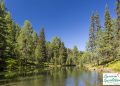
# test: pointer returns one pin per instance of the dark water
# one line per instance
(65, 76)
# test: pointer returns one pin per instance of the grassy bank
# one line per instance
(110, 67)
(114, 66)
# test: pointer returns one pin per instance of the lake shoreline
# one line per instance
(100, 69)
(59, 76)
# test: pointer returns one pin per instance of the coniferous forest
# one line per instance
(22, 48)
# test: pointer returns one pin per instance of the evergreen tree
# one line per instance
(17, 31)
(92, 36)
(38, 53)
(69, 57)
(115, 39)
(91, 43)
(24, 43)
(117, 47)
(10, 38)
(12, 31)
(75, 54)
(97, 23)
(41, 47)
(98, 39)
(3, 34)
(118, 14)
(108, 35)
(34, 45)
(99, 50)
(93, 32)
(49, 51)
(104, 42)
(62, 54)
(56, 43)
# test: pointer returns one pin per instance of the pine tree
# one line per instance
(118, 14)
(98, 39)
(34, 45)
(97, 23)
(91, 43)
(108, 36)
(49, 51)
(56, 42)
(62, 54)
(75, 54)
(117, 47)
(38, 53)
(115, 39)
(10, 38)
(17, 31)
(108, 25)
(92, 36)
(24, 43)
(41, 47)
(3, 33)
(12, 31)
(104, 42)
(70, 60)
(99, 50)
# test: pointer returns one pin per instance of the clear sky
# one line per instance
(68, 19)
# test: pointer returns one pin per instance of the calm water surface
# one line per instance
(64, 76)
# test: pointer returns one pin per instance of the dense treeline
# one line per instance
(22, 47)
(104, 41)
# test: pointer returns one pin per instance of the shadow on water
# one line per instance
(59, 76)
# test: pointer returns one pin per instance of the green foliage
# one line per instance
(10, 38)
(40, 51)
(24, 43)
(114, 65)
(7, 36)
(106, 45)
(11, 63)
(34, 45)
(85, 58)
(75, 54)
(22, 47)
(91, 43)
(3, 33)
(106, 41)
(69, 58)
(74, 57)
(49, 51)
(118, 29)
(62, 54)
(56, 43)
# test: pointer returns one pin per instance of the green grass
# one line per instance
(114, 66)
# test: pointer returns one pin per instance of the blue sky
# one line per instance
(68, 19)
